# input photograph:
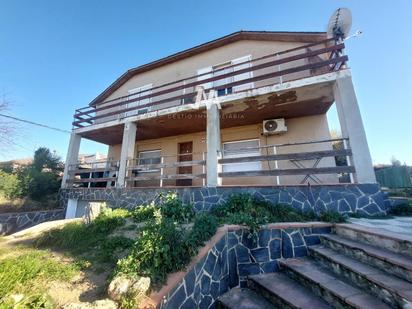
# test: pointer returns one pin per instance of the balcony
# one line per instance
(316, 162)
(247, 76)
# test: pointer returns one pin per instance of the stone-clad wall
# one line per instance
(239, 254)
(14, 222)
(366, 199)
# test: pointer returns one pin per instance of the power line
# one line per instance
(35, 123)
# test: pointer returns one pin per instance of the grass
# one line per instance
(27, 275)
(27, 204)
(92, 242)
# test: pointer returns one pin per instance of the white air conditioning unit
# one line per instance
(274, 126)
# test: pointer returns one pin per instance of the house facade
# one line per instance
(243, 113)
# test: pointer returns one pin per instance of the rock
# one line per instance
(122, 286)
(98, 304)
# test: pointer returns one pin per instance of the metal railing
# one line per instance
(305, 61)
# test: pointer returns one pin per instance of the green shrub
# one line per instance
(112, 247)
(173, 208)
(10, 185)
(158, 250)
(401, 210)
(170, 206)
(332, 217)
(245, 210)
(144, 213)
(204, 227)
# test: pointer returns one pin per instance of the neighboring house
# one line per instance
(14, 165)
(247, 109)
(91, 166)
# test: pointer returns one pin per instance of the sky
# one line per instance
(56, 56)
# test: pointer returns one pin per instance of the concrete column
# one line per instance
(72, 157)
(352, 127)
(127, 152)
(213, 146)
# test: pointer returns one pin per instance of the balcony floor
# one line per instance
(237, 110)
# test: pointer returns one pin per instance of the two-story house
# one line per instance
(245, 112)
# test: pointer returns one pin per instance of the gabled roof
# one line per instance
(280, 36)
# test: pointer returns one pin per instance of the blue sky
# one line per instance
(58, 55)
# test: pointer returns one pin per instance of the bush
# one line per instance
(144, 213)
(244, 209)
(10, 185)
(170, 206)
(159, 250)
(401, 210)
(37, 184)
(332, 217)
(173, 208)
(204, 227)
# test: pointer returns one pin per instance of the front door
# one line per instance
(185, 154)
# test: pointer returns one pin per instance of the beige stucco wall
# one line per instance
(189, 66)
(301, 129)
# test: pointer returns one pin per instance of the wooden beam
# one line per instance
(291, 171)
(290, 156)
(94, 170)
(170, 177)
(166, 165)
(93, 180)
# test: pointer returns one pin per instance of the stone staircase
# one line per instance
(355, 267)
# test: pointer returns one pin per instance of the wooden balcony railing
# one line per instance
(171, 168)
(102, 173)
(308, 60)
(309, 163)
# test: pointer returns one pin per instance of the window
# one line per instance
(137, 93)
(224, 68)
(241, 149)
(149, 157)
(217, 84)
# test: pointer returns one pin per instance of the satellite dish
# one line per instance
(339, 24)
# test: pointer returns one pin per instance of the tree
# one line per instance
(395, 162)
(10, 186)
(44, 159)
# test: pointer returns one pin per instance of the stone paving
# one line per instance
(400, 225)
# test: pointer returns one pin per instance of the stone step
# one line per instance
(238, 298)
(329, 286)
(391, 262)
(391, 289)
(284, 292)
(381, 238)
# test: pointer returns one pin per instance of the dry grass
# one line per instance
(26, 204)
